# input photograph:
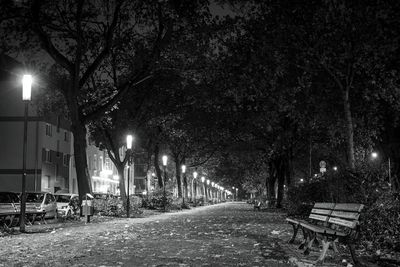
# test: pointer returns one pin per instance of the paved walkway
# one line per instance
(228, 234)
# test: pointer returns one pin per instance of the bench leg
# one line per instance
(353, 255)
(335, 246)
(305, 239)
(310, 243)
(295, 229)
(325, 246)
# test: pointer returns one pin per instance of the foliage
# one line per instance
(156, 200)
(380, 227)
(115, 206)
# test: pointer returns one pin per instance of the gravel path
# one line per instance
(227, 234)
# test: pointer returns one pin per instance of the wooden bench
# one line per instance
(329, 223)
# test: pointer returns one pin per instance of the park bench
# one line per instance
(329, 223)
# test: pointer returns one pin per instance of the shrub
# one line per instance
(380, 229)
(156, 200)
(116, 207)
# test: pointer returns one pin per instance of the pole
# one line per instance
(195, 189)
(183, 189)
(23, 189)
(165, 178)
(390, 176)
(129, 177)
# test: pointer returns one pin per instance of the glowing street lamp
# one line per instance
(374, 155)
(335, 168)
(183, 167)
(129, 139)
(26, 97)
(194, 189)
(165, 160)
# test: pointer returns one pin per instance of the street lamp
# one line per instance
(335, 168)
(195, 189)
(183, 178)
(26, 97)
(208, 193)
(129, 139)
(165, 160)
(374, 155)
(204, 187)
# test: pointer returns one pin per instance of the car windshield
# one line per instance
(8, 198)
(35, 197)
(63, 198)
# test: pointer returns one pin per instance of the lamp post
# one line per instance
(236, 193)
(194, 189)
(165, 160)
(233, 188)
(212, 192)
(26, 97)
(203, 179)
(183, 181)
(208, 195)
(374, 155)
(129, 140)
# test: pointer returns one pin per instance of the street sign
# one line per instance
(322, 170)
(322, 164)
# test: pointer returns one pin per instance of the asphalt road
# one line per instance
(227, 234)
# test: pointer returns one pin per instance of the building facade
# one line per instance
(48, 138)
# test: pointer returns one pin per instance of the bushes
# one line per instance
(380, 229)
(156, 200)
(115, 207)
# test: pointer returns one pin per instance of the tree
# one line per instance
(78, 37)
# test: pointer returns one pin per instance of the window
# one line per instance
(65, 136)
(58, 149)
(65, 160)
(49, 129)
(108, 164)
(47, 155)
(58, 124)
(94, 162)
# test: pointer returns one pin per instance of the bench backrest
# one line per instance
(346, 214)
(340, 214)
(321, 211)
(7, 207)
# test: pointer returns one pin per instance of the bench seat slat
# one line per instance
(342, 222)
(322, 230)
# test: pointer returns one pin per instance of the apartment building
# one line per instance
(48, 138)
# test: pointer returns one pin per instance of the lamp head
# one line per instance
(195, 175)
(26, 87)
(208, 182)
(203, 179)
(129, 139)
(165, 160)
(183, 168)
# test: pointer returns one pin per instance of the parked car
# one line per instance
(67, 204)
(43, 201)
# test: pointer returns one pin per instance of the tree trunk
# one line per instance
(185, 185)
(82, 173)
(178, 177)
(270, 183)
(349, 129)
(281, 181)
(157, 167)
(121, 169)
